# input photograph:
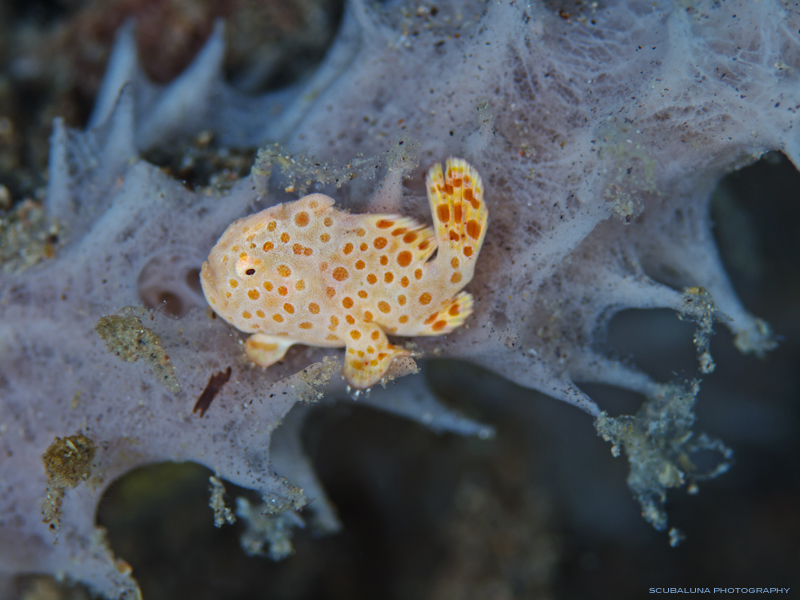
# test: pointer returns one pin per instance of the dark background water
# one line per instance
(540, 511)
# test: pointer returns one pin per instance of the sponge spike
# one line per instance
(123, 67)
(190, 94)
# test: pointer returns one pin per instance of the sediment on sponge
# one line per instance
(659, 443)
(600, 160)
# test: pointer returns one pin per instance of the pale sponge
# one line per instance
(599, 139)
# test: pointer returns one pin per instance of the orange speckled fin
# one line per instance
(450, 317)
(368, 356)
(418, 239)
(265, 350)
(459, 212)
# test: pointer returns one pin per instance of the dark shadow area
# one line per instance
(742, 528)
(53, 57)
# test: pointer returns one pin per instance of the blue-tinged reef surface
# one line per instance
(601, 131)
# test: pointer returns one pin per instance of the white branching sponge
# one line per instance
(598, 138)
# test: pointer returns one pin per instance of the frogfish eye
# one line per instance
(246, 267)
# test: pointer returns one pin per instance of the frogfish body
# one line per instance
(305, 272)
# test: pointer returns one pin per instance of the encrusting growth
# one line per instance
(306, 272)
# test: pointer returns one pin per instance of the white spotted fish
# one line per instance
(305, 272)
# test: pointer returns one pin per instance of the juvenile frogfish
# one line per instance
(305, 272)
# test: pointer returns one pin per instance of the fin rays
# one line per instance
(459, 212)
